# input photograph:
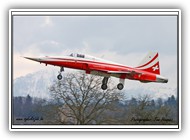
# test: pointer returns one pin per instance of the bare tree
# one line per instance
(81, 99)
(144, 101)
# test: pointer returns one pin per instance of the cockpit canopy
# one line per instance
(77, 55)
(89, 57)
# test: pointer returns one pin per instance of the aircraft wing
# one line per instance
(117, 72)
(124, 72)
(102, 69)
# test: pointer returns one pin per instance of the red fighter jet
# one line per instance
(147, 71)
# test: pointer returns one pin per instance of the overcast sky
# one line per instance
(122, 39)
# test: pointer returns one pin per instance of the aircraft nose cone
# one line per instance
(34, 59)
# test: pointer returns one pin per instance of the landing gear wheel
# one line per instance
(59, 77)
(120, 86)
(104, 86)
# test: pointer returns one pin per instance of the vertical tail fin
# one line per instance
(150, 63)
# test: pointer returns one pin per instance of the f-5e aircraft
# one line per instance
(147, 71)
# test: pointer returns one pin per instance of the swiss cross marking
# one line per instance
(155, 68)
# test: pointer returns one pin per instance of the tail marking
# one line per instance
(150, 63)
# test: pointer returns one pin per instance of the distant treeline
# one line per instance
(141, 110)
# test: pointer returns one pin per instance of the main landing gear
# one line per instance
(59, 76)
(120, 86)
(104, 83)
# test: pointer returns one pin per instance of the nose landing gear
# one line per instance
(59, 76)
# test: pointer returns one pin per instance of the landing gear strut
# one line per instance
(59, 76)
(104, 83)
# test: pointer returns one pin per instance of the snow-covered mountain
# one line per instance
(35, 84)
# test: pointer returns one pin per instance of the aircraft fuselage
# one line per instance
(101, 67)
